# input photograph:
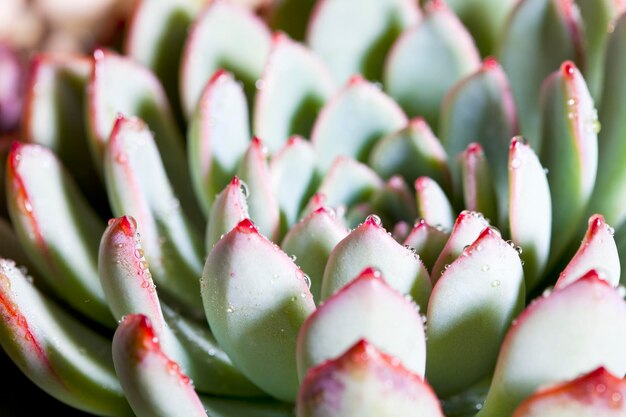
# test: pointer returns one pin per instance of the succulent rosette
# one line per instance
(335, 208)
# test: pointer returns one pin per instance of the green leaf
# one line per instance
(433, 204)
(229, 209)
(138, 186)
(427, 241)
(61, 355)
(353, 121)
(428, 59)
(218, 136)
(57, 228)
(538, 36)
(226, 407)
(255, 300)
(369, 245)
(394, 202)
(469, 311)
(477, 182)
(225, 36)
(558, 337)
(364, 379)
(378, 24)
(290, 16)
(570, 151)
(348, 316)
(293, 88)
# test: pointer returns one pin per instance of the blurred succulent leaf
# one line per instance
(55, 101)
(246, 269)
(262, 203)
(394, 327)
(155, 31)
(427, 241)
(218, 136)
(597, 251)
(61, 355)
(477, 182)
(394, 202)
(433, 204)
(369, 245)
(469, 312)
(599, 22)
(538, 36)
(154, 384)
(428, 59)
(10, 246)
(227, 407)
(569, 151)
(351, 123)
(413, 151)
(610, 187)
(293, 88)
(365, 382)
(480, 108)
(290, 16)
(558, 337)
(228, 36)
(229, 209)
(597, 393)
(378, 24)
(119, 85)
(57, 228)
(467, 227)
(530, 209)
(138, 186)
(484, 19)
(311, 241)
(293, 171)
(346, 184)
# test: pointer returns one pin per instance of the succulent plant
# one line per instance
(332, 208)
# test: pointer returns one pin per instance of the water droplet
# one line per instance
(484, 268)
(600, 388)
(259, 84)
(479, 248)
(274, 277)
(572, 101)
(293, 258)
(446, 266)
(145, 284)
(547, 292)
(621, 290)
(610, 230)
(516, 163)
(244, 188)
(111, 221)
(307, 280)
(373, 219)
(138, 253)
(230, 309)
(121, 158)
(495, 283)
(546, 171)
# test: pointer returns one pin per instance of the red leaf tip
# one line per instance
(436, 5)
(474, 149)
(370, 273)
(235, 181)
(246, 226)
(217, 75)
(356, 79)
(279, 36)
(594, 275)
(490, 63)
(596, 223)
(568, 69)
(518, 141)
(373, 220)
(128, 225)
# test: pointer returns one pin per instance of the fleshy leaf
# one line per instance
(569, 150)
(218, 136)
(412, 152)
(538, 37)
(428, 59)
(597, 393)
(253, 292)
(55, 103)
(597, 251)
(477, 182)
(226, 407)
(229, 209)
(365, 382)
(394, 326)
(469, 311)
(378, 24)
(353, 121)
(369, 245)
(57, 228)
(293, 88)
(394, 201)
(311, 241)
(480, 108)
(428, 241)
(119, 85)
(10, 246)
(290, 16)
(530, 209)
(433, 204)
(346, 184)
(468, 226)
(599, 21)
(62, 356)
(154, 384)
(484, 19)
(225, 36)
(138, 186)
(262, 203)
(294, 176)
(571, 331)
(610, 187)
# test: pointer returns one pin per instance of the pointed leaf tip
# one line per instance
(127, 224)
(568, 69)
(247, 226)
